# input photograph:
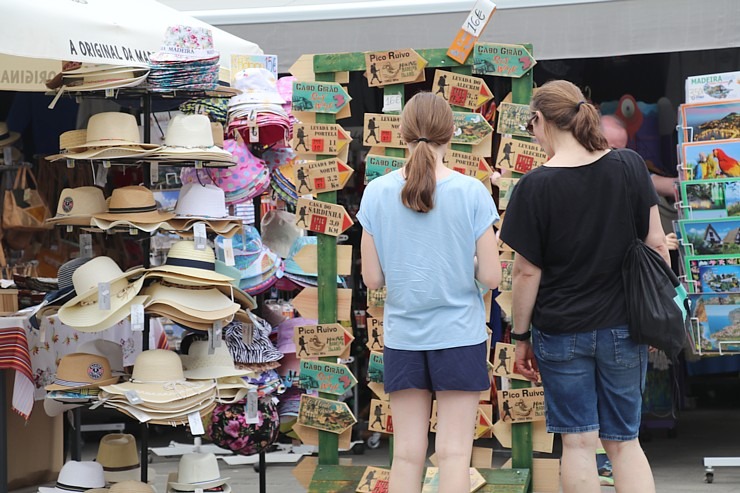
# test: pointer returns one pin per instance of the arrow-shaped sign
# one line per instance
(502, 59)
(307, 259)
(375, 367)
(383, 130)
(468, 164)
(307, 303)
(520, 156)
(374, 334)
(461, 90)
(470, 128)
(483, 425)
(319, 97)
(319, 138)
(377, 166)
(321, 176)
(322, 217)
(318, 341)
(325, 415)
(310, 436)
(329, 378)
(383, 68)
(381, 419)
(513, 118)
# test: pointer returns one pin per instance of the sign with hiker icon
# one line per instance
(382, 131)
(394, 67)
(321, 176)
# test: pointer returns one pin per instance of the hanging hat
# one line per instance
(285, 331)
(279, 231)
(200, 365)
(65, 292)
(112, 351)
(183, 258)
(131, 487)
(93, 77)
(285, 89)
(158, 377)
(7, 137)
(132, 206)
(199, 303)
(82, 371)
(186, 43)
(77, 205)
(118, 455)
(198, 472)
(230, 390)
(260, 350)
(77, 476)
(258, 86)
(228, 431)
(190, 137)
(112, 129)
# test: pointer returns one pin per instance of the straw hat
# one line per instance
(66, 292)
(118, 455)
(82, 371)
(77, 205)
(202, 202)
(112, 129)
(112, 351)
(200, 365)
(7, 137)
(198, 303)
(191, 137)
(132, 205)
(77, 476)
(131, 487)
(183, 258)
(158, 377)
(198, 472)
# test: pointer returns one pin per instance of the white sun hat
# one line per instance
(198, 472)
(77, 476)
(200, 365)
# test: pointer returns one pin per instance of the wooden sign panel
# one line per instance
(542, 441)
(322, 217)
(471, 30)
(504, 361)
(330, 378)
(521, 405)
(307, 303)
(394, 67)
(431, 480)
(505, 188)
(326, 175)
(319, 97)
(461, 90)
(374, 334)
(375, 480)
(307, 259)
(513, 118)
(468, 164)
(325, 415)
(520, 156)
(507, 278)
(310, 436)
(502, 60)
(377, 166)
(382, 130)
(381, 419)
(319, 341)
(319, 138)
(483, 424)
(470, 128)
(375, 367)
(378, 389)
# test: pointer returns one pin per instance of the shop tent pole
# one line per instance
(4, 438)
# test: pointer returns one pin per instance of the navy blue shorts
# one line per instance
(460, 368)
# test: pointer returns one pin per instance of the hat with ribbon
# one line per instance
(112, 129)
(7, 137)
(185, 259)
(77, 476)
(129, 486)
(65, 292)
(132, 206)
(198, 472)
(82, 371)
(93, 77)
(112, 351)
(200, 365)
(118, 455)
(197, 303)
(190, 137)
(77, 205)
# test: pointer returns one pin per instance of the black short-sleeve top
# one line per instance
(574, 224)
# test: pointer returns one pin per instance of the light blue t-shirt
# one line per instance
(427, 260)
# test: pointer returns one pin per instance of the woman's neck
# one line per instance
(568, 152)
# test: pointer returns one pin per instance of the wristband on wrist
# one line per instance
(521, 337)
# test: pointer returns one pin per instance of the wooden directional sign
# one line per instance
(381, 419)
(374, 480)
(503, 361)
(505, 187)
(521, 405)
(307, 303)
(329, 378)
(326, 175)
(376, 166)
(319, 138)
(310, 436)
(513, 118)
(482, 422)
(520, 156)
(307, 259)
(431, 481)
(502, 60)
(470, 128)
(322, 217)
(375, 334)
(542, 441)
(383, 130)
(468, 164)
(461, 90)
(319, 97)
(379, 390)
(325, 415)
(375, 367)
(318, 341)
(394, 67)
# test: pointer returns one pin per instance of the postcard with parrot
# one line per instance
(709, 121)
(710, 160)
(710, 199)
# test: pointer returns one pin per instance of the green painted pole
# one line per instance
(521, 433)
(327, 264)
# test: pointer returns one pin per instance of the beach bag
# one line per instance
(23, 207)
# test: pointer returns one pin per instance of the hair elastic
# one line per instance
(578, 106)
(422, 139)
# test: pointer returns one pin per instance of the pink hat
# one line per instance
(285, 333)
(285, 89)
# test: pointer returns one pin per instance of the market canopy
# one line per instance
(37, 35)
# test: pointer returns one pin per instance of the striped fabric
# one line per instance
(14, 355)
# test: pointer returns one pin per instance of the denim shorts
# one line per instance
(460, 368)
(592, 381)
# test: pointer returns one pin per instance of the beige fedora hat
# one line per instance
(199, 304)
(135, 205)
(183, 258)
(82, 371)
(112, 351)
(132, 487)
(200, 365)
(112, 129)
(118, 455)
(158, 377)
(77, 476)
(198, 472)
(7, 137)
(77, 205)
(191, 137)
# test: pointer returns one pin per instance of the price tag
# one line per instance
(254, 135)
(70, 163)
(248, 334)
(199, 233)
(42, 334)
(86, 250)
(198, 164)
(8, 155)
(137, 318)
(103, 296)
(133, 397)
(229, 252)
(27, 194)
(70, 228)
(106, 164)
(250, 410)
(133, 231)
(196, 423)
(392, 102)
(153, 172)
(109, 93)
(479, 17)
(252, 117)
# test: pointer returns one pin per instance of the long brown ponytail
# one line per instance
(427, 121)
(563, 105)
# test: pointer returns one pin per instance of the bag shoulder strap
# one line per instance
(627, 194)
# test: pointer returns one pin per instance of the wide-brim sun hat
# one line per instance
(82, 371)
(77, 205)
(200, 365)
(133, 204)
(172, 419)
(111, 350)
(112, 129)
(184, 258)
(199, 304)
(228, 288)
(86, 316)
